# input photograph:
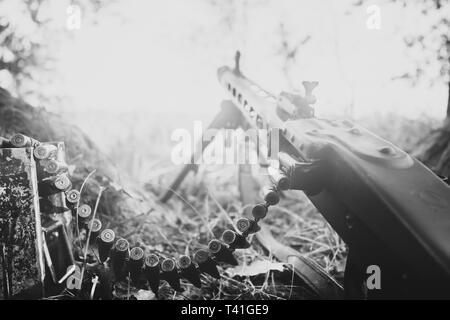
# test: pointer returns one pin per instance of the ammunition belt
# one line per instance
(63, 213)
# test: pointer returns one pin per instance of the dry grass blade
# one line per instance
(101, 189)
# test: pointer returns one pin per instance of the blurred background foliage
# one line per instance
(129, 72)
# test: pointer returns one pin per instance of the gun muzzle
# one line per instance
(94, 225)
(135, 264)
(234, 240)
(44, 151)
(105, 242)
(270, 196)
(152, 272)
(247, 226)
(73, 196)
(189, 271)
(259, 211)
(119, 256)
(22, 141)
(206, 264)
(221, 253)
(170, 273)
(278, 178)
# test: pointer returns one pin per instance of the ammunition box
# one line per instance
(21, 254)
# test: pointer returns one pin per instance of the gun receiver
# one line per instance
(391, 211)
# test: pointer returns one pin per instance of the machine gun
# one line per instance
(392, 212)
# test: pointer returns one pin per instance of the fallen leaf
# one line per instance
(255, 268)
(144, 295)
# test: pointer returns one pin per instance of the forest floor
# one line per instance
(208, 203)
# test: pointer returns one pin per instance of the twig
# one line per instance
(90, 231)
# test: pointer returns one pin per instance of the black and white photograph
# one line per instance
(226, 155)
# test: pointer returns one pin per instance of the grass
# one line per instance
(208, 203)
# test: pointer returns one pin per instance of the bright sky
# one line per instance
(162, 56)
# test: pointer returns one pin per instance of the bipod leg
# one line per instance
(229, 117)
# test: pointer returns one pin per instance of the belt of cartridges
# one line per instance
(117, 259)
